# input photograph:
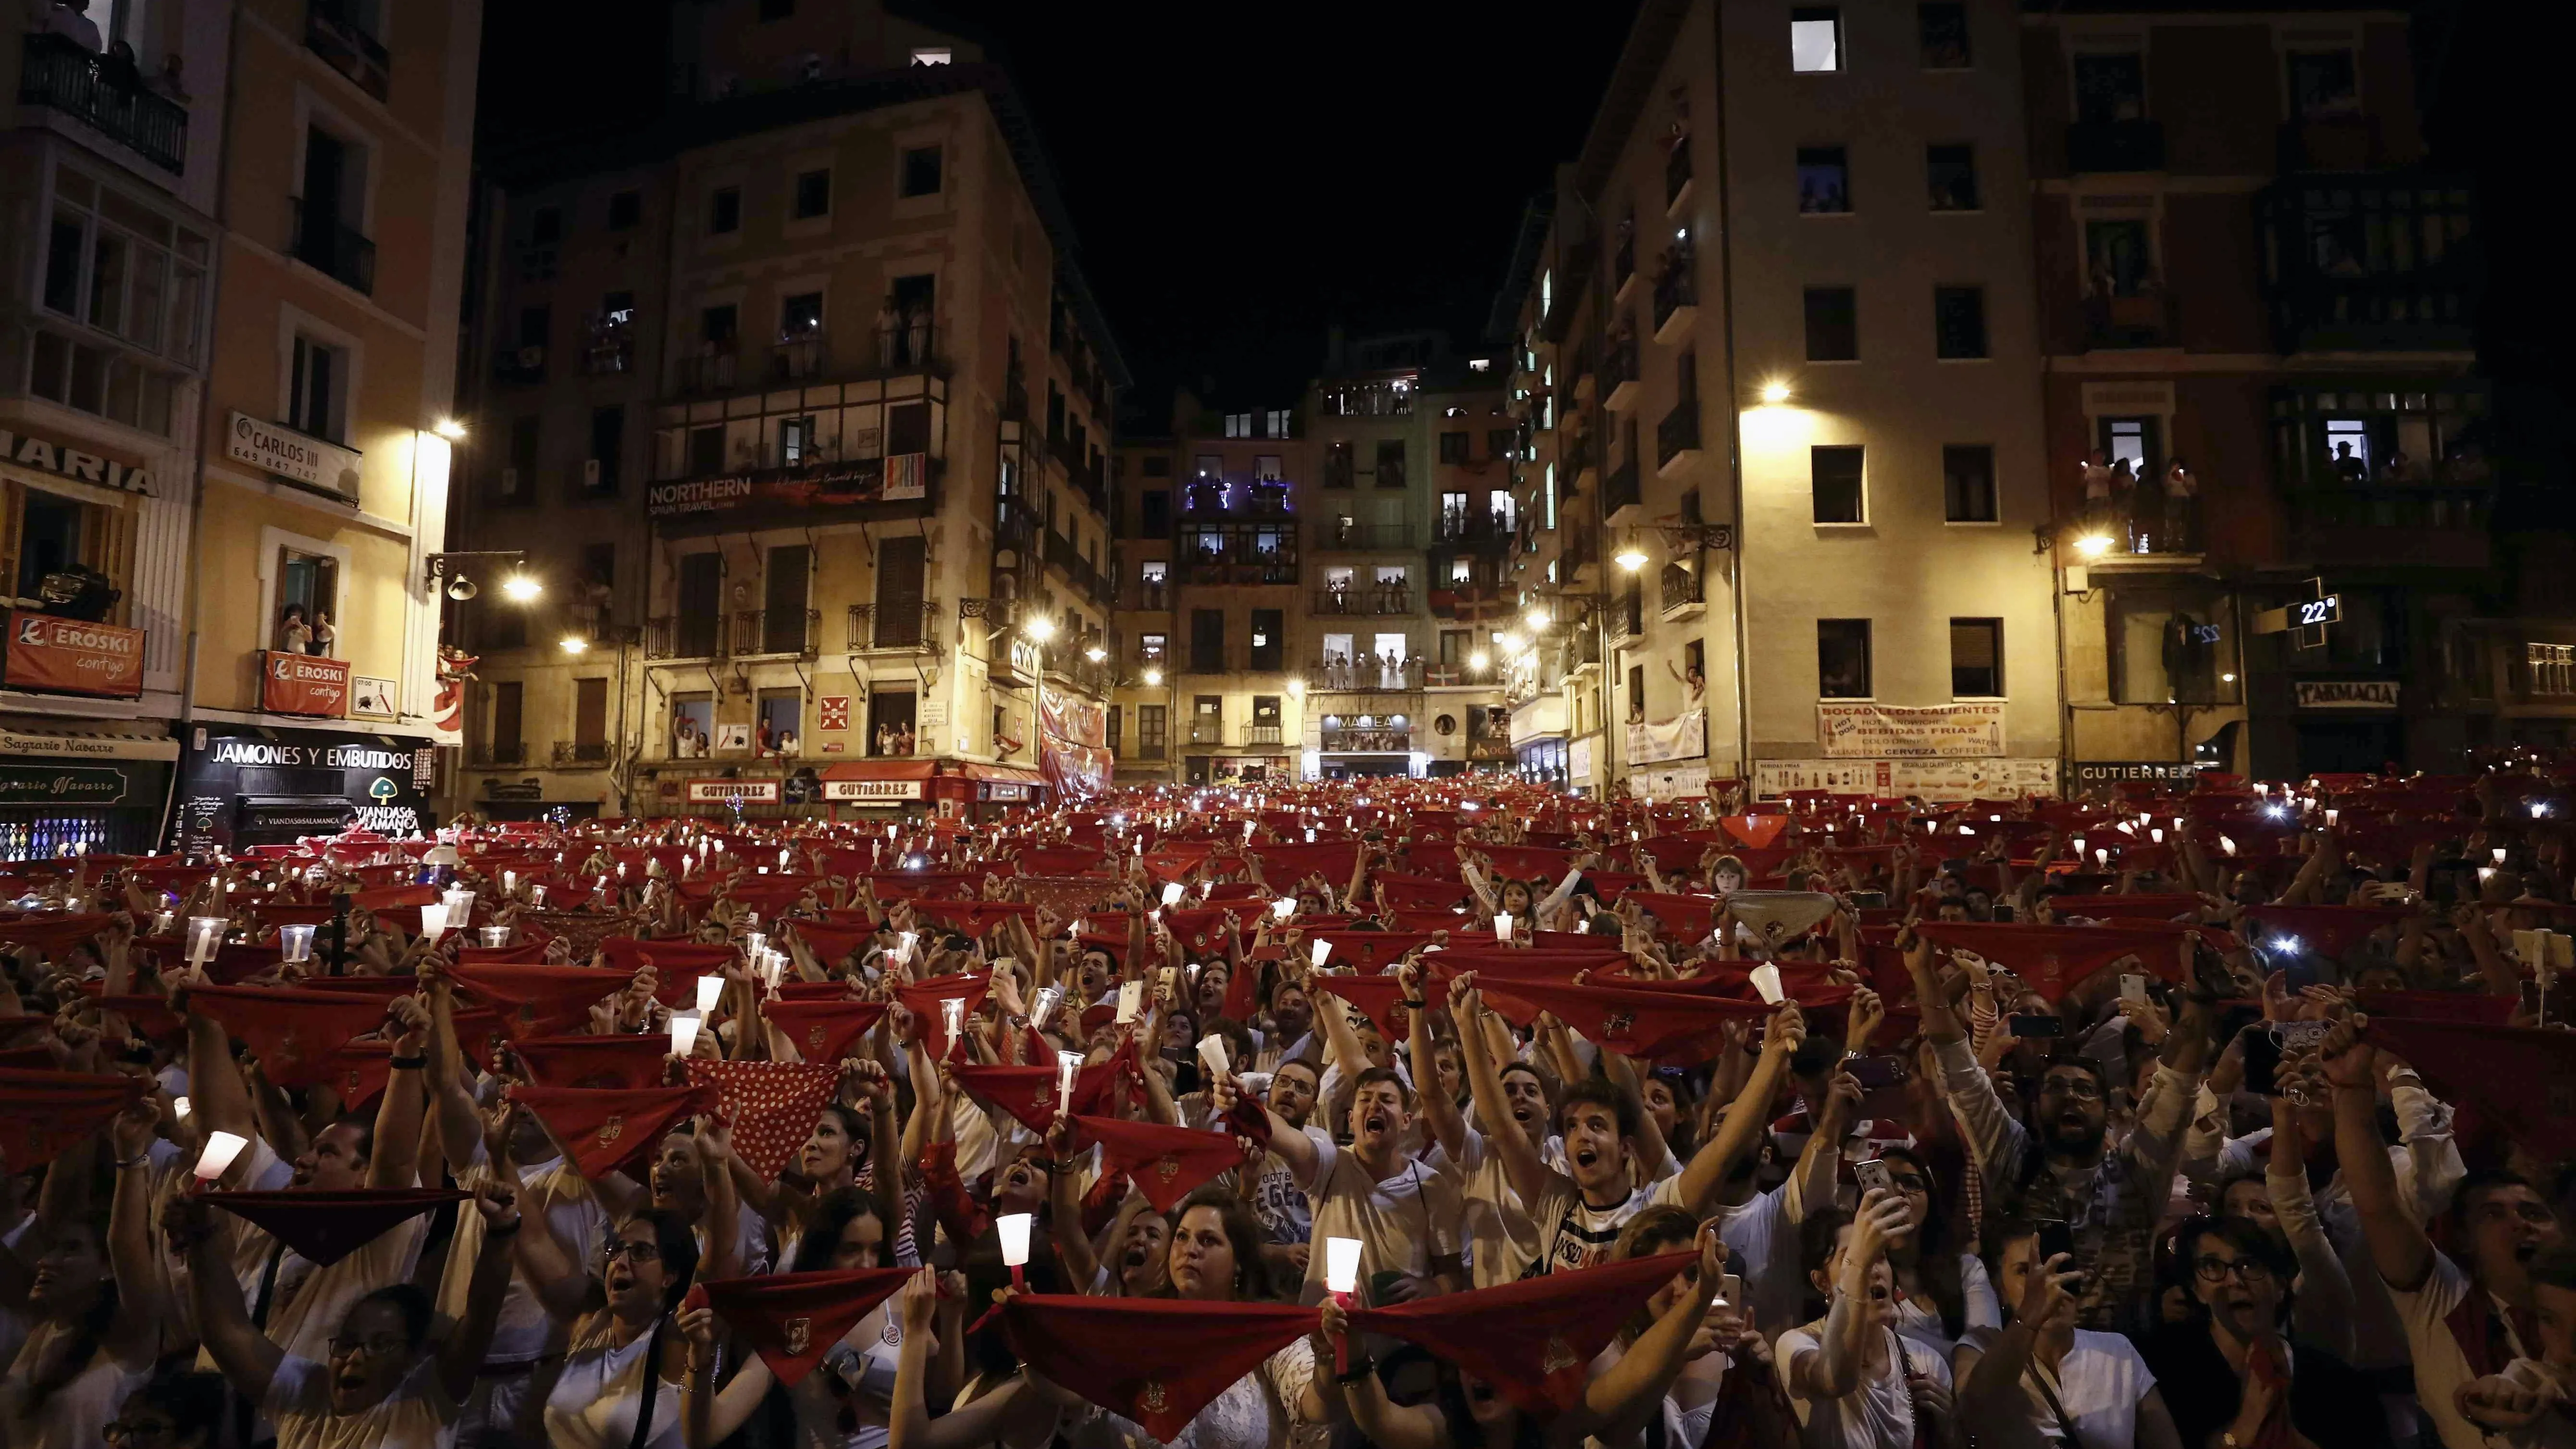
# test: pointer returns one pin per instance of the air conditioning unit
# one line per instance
(590, 472)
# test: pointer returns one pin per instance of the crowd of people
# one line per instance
(1452, 1114)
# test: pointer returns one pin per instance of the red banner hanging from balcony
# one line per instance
(1073, 738)
(302, 684)
(72, 656)
(903, 478)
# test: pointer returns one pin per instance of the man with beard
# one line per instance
(1287, 1219)
(1404, 1214)
(2062, 1166)
(2464, 1330)
(1578, 1213)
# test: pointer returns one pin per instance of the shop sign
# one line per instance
(60, 785)
(1856, 730)
(87, 747)
(1937, 780)
(838, 485)
(303, 684)
(73, 656)
(726, 792)
(1681, 780)
(2089, 773)
(44, 455)
(872, 789)
(289, 454)
(2345, 693)
(1578, 756)
(263, 786)
(514, 789)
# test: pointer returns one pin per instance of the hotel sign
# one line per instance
(275, 448)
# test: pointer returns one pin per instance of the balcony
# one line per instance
(1470, 525)
(1365, 598)
(1677, 439)
(1078, 671)
(707, 372)
(2148, 316)
(1152, 596)
(777, 631)
(1578, 458)
(1261, 734)
(1677, 176)
(333, 34)
(330, 246)
(1205, 731)
(1371, 740)
(1237, 554)
(2115, 146)
(581, 754)
(1575, 552)
(2362, 263)
(1015, 397)
(610, 350)
(106, 95)
(2380, 525)
(1626, 617)
(684, 636)
(1458, 676)
(1619, 496)
(1684, 594)
(1574, 267)
(1619, 371)
(1252, 498)
(1344, 535)
(1365, 675)
(498, 754)
(897, 627)
(2331, 143)
(1676, 297)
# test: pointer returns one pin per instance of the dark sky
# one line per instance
(1236, 188)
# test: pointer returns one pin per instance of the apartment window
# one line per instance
(1453, 447)
(800, 315)
(590, 718)
(1269, 638)
(124, 269)
(1694, 662)
(2110, 86)
(1111, 718)
(616, 309)
(1238, 425)
(1636, 691)
(2133, 441)
(1944, 29)
(2552, 668)
(1498, 442)
(2323, 86)
(782, 605)
(599, 564)
(1154, 512)
(2172, 649)
(1390, 463)
(545, 226)
(724, 210)
(1462, 569)
(332, 202)
(1951, 174)
(509, 723)
(903, 573)
(1266, 467)
(625, 210)
(1815, 38)
(1833, 324)
(519, 473)
(920, 171)
(1207, 719)
(717, 326)
(1976, 658)
(699, 600)
(1968, 483)
(795, 442)
(812, 194)
(1834, 474)
(1824, 181)
(1842, 659)
(706, 449)
(1456, 645)
(49, 539)
(1153, 731)
(1339, 464)
(1277, 423)
(1207, 641)
(1154, 648)
(317, 387)
(599, 472)
(1265, 711)
(1959, 322)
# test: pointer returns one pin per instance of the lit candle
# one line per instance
(710, 991)
(433, 919)
(1341, 1278)
(1048, 996)
(295, 944)
(1212, 1054)
(1013, 1228)
(952, 1017)
(221, 1149)
(1068, 1066)
(179, 1108)
(684, 1032)
(205, 933)
(1503, 929)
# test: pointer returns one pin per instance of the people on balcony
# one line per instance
(2182, 509)
(70, 20)
(294, 632)
(688, 742)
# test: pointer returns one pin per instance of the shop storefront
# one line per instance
(91, 785)
(1543, 760)
(241, 785)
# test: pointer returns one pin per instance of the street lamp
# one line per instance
(1536, 618)
(1775, 392)
(1040, 628)
(1153, 676)
(1631, 557)
(2093, 545)
(1509, 643)
(1095, 653)
(450, 429)
(520, 588)
(575, 644)
(1479, 660)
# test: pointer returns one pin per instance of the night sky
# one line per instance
(1239, 187)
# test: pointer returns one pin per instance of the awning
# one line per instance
(89, 739)
(893, 769)
(1004, 774)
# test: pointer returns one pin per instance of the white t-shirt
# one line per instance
(2099, 1383)
(1501, 1237)
(1402, 1222)
(1775, 1281)
(2441, 1367)
(416, 1415)
(1573, 1234)
(1920, 1318)
(1879, 1414)
(524, 1331)
(1279, 1200)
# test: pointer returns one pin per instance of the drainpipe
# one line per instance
(1734, 411)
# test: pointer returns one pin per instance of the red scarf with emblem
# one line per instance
(793, 1319)
(1166, 1163)
(1367, 952)
(1380, 998)
(604, 1128)
(293, 1033)
(42, 1112)
(1157, 1361)
(2520, 1079)
(1283, 866)
(1029, 1093)
(975, 919)
(922, 999)
(824, 1031)
(1534, 1340)
(832, 944)
(2055, 959)
(52, 932)
(1632, 1022)
(539, 1000)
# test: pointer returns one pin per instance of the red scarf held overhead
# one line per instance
(52, 932)
(358, 1071)
(922, 999)
(1202, 932)
(2523, 1079)
(1157, 1361)
(328, 1226)
(2478, 1008)
(1061, 860)
(1166, 1163)
(1029, 1093)
(1528, 862)
(793, 1319)
(394, 898)
(1283, 866)
(1656, 1024)
(1379, 998)
(773, 1106)
(2055, 959)
(149, 1017)
(1420, 892)
(1756, 831)
(624, 1063)
(677, 965)
(1535, 1339)
(2163, 906)
(293, 1033)
(1243, 989)
(1681, 918)
(831, 945)
(539, 1000)
(1368, 952)
(526, 953)
(1434, 862)
(975, 919)
(604, 1129)
(43, 1112)
(825, 1031)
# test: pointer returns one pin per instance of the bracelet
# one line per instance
(1360, 1368)
(137, 1160)
(1415, 1004)
(408, 1064)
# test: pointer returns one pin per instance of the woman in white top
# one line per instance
(1941, 1293)
(2041, 1380)
(623, 1362)
(1692, 1400)
(381, 1388)
(1855, 1382)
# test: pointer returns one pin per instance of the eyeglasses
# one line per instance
(2247, 1270)
(1907, 1182)
(2082, 1089)
(639, 1253)
(118, 1431)
(377, 1345)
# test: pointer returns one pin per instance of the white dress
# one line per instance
(596, 1397)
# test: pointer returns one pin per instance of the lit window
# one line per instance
(1815, 38)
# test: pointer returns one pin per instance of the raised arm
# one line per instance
(460, 1358)
(1616, 1403)
(2398, 1247)
(1745, 1122)
(395, 1161)
(1294, 1147)
(247, 1357)
(460, 1127)
(1833, 1369)
(1521, 1165)
(1440, 1112)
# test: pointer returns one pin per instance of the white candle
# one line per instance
(205, 933)
(221, 1149)
(295, 944)
(1172, 894)
(433, 919)
(952, 1016)
(710, 991)
(1322, 950)
(460, 907)
(1013, 1229)
(1048, 996)
(496, 936)
(1068, 1066)
(1212, 1052)
(1503, 929)
(1341, 1264)
(684, 1032)
(1284, 907)
(1766, 980)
